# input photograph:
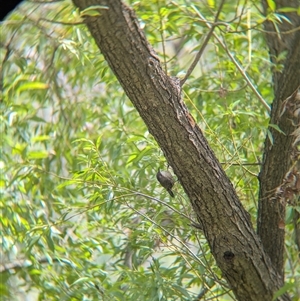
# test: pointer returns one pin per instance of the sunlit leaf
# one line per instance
(272, 5)
(32, 86)
(37, 155)
(211, 3)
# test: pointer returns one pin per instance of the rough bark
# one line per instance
(281, 154)
(226, 225)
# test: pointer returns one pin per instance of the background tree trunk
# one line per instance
(236, 247)
(281, 154)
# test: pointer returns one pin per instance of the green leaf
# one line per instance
(93, 10)
(32, 86)
(270, 136)
(81, 280)
(35, 272)
(40, 138)
(287, 9)
(49, 240)
(37, 155)
(211, 3)
(277, 128)
(272, 5)
(284, 289)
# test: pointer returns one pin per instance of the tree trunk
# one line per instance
(281, 154)
(157, 97)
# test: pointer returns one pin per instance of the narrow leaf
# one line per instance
(272, 5)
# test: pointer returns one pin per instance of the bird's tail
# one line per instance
(171, 193)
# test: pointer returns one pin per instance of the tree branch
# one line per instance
(279, 154)
(200, 52)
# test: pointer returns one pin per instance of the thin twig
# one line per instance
(200, 52)
(243, 73)
(161, 32)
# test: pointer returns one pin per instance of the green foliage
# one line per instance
(83, 217)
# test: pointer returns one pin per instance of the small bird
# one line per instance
(166, 180)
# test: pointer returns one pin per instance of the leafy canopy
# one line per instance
(83, 216)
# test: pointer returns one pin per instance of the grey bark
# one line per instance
(157, 97)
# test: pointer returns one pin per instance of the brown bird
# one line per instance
(166, 180)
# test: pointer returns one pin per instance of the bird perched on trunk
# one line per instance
(166, 180)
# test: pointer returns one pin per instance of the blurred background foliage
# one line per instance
(82, 215)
